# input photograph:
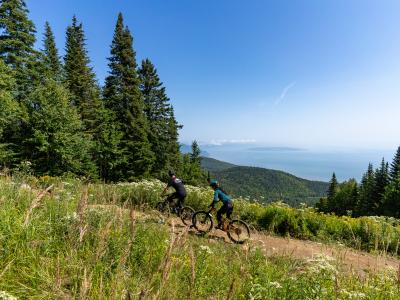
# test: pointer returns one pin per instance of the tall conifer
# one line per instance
(395, 166)
(381, 181)
(122, 95)
(50, 52)
(80, 78)
(365, 205)
(163, 127)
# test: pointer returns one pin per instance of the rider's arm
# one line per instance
(215, 200)
(165, 190)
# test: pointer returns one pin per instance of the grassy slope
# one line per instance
(70, 249)
(267, 184)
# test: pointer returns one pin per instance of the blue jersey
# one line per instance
(219, 195)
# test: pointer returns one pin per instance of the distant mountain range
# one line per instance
(264, 184)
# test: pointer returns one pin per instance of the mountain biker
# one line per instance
(180, 191)
(227, 203)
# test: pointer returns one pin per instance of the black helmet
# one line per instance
(171, 173)
(214, 183)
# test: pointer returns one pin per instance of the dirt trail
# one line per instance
(347, 258)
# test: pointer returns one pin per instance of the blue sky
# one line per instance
(311, 74)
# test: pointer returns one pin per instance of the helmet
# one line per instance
(171, 173)
(214, 183)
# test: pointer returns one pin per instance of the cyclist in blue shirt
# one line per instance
(227, 203)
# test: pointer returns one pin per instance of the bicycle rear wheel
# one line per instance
(202, 221)
(238, 231)
(186, 214)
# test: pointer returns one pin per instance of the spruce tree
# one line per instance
(331, 193)
(80, 78)
(163, 127)
(333, 187)
(365, 205)
(57, 144)
(17, 39)
(51, 58)
(123, 97)
(392, 199)
(18, 33)
(10, 113)
(191, 166)
(381, 181)
(395, 166)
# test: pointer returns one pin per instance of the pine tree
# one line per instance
(365, 205)
(392, 199)
(51, 59)
(395, 166)
(57, 144)
(80, 78)
(332, 191)
(163, 128)
(109, 155)
(10, 112)
(17, 38)
(381, 181)
(123, 97)
(191, 165)
(333, 187)
(18, 33)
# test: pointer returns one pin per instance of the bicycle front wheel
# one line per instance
(186, 214)
(238, 231)
(163, 207)
(202, 221)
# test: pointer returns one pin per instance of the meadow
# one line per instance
(99, 241)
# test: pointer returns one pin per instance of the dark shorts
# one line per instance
(227, 208)
(179, 197)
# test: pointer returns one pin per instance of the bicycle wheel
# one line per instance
(202, 221)
(238, 231)
(186, 214)
(163, 207)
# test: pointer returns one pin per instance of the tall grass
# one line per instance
(122, 255)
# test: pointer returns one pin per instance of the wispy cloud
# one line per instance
(284, 92)
(232, 141)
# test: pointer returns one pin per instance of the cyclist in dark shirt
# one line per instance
(227, 203)
(180, 191)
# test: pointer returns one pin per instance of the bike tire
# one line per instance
(186, 215)
(202, 221)
(238, 231)
(163, 207)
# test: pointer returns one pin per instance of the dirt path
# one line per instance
(347, 258)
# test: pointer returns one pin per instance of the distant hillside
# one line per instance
(214, 165)
(260, 183)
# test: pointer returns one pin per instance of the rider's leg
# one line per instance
(181, 200)
(229, 210)
(171, 197)
(220, 212)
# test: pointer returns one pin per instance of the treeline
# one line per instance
(378, 194)
(55, 118)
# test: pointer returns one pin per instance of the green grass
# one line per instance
(70, 249)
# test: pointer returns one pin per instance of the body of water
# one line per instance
(309, 164)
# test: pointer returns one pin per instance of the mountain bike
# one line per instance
(167, 207)
(237, 230)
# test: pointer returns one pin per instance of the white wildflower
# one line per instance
(354, 294)
(320, 263)
(6, 296)
(275, 284)
(206, 249)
